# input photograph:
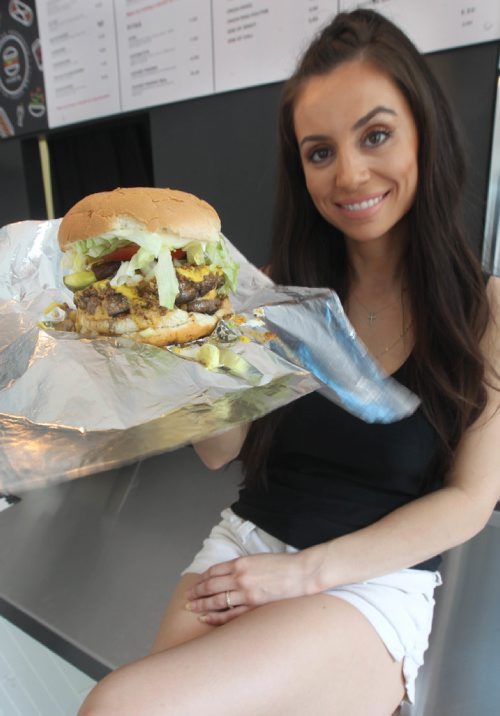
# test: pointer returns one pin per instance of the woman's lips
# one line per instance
(364, 208)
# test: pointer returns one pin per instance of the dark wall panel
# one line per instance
(468, 75)
(99, 156)
(223, 148)
(14, 205)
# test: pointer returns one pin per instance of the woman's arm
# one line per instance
(221, 449)
(441, 520)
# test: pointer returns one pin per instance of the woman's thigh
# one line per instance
(314, 654)
(179, 625)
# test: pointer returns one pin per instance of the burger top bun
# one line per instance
(150, 209)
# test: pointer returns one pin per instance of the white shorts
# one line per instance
(399, 606)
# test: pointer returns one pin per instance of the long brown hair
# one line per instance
(445, 284)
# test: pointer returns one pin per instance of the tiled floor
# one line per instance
(34, 681)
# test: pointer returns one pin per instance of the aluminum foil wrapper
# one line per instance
(71, 406)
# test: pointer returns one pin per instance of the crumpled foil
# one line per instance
(71, 406)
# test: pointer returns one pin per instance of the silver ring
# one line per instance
(228, 600)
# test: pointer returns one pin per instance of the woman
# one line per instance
(314, 595)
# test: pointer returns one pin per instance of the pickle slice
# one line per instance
(80, 280)
(239, 366)
(209, 355)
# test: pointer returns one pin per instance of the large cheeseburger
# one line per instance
(146, 263)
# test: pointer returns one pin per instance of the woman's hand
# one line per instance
(227, 590)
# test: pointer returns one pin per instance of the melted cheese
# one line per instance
(128, 291)
(210, 295)
(195, 273)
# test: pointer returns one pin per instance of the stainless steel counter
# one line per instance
(461, 674)
(86, 567)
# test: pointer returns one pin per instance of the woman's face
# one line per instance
(358, 144)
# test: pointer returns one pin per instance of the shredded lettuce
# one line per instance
(76, 257)
(163, 270)
(219, 255)
(100, 246)
(214, 253)
(166, 279)
(141, 260)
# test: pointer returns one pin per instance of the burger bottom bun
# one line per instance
(186, 332)
(174, 326)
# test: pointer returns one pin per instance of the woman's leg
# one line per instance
(314, 654)
(179, 625)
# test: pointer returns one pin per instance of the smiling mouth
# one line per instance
(363, 205)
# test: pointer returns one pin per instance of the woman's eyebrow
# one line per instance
(314, 138)
(366, 117)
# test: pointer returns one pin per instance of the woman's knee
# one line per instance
(111, 696)
(178, 625)
(98, 701)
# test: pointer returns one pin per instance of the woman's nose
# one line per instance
(350, 170)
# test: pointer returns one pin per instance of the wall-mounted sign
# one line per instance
(104, 57)
(81, 68)
(259, 42)
(164, 50)
(439, 24)
(22, 92)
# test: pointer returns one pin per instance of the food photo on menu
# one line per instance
(132, 326)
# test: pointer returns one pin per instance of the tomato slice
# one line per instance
(124, 253)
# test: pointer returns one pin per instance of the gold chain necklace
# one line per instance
(372, 315)
(393, 345)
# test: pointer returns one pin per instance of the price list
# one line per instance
(259, 42)
(312, 16)
(439, 24)
(165, 50)
(80, 61)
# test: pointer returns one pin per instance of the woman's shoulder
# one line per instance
(493, 288)
(491, 340)
(493, 296)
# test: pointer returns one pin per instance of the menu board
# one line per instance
(22, 94)
(259, 42)
(104, 57)
(439, 24)
(79, 56)
(164, 51)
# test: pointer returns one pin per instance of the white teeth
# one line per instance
(364, 204)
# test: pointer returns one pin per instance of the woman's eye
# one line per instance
(319, 155)
(376, 137)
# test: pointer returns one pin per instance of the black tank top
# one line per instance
(330, 473)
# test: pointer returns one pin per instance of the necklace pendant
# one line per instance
(371, 318)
